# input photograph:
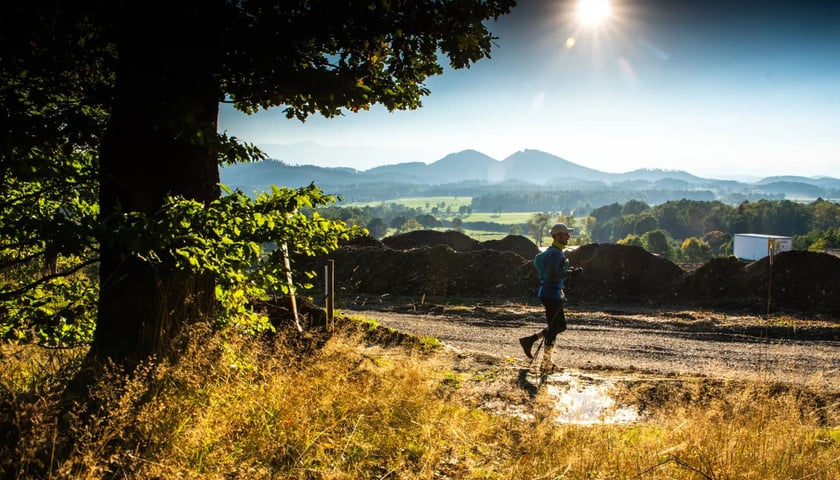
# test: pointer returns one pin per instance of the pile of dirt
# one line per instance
(452, 264)
(429, 238)
(437, 270)
(797, 279)
(458, 241)
(366, 241)
(714, 282)
(513, 243)
(621, 272)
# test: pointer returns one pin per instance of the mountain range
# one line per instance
(524, 168)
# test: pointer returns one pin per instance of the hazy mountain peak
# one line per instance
(524, 167)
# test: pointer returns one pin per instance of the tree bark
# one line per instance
(159, 142)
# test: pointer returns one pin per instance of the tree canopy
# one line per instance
(111, 144)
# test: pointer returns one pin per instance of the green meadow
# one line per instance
(448, 208)
(424, 203)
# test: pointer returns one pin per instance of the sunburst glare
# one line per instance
(593, 13)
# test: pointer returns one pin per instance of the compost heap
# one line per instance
(434, 263)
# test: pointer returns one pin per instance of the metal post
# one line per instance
(331, 295)
(771, 252)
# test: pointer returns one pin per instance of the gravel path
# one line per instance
(636, 343)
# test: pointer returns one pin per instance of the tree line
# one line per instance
(682, 230)
(583, 201)
(695, 230)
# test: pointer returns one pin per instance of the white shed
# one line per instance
(752, 246)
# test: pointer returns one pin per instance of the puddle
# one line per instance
(583, 400)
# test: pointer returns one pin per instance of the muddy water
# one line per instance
(585, 400)
(599, 356)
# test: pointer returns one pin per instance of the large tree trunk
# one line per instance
(159, 142)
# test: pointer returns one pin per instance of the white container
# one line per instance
(753, 246)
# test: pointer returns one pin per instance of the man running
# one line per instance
(553, 269)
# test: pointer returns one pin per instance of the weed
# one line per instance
(428, 343)
(236, 407)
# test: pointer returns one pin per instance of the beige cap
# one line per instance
(561, 228)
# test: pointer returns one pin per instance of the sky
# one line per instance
(720, 89)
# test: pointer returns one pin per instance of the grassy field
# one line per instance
(424, 203)
(505, 218)
(334, 407)
(483, 236)
(480, 235)
(453, 204)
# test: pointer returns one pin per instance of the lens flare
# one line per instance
(593, 12)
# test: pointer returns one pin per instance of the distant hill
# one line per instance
(465, 166)
(534, 166)
(822, 182)
(659, 175)
(527, 167)
(793, 188)
(259, 176)
(469, 169)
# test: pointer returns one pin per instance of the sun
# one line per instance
(593, 12)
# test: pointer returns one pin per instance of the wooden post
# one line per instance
(288, 268)
(330, 285)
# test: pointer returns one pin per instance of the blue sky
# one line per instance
(720, 89)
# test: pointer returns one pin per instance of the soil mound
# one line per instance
(458, 241)
(429, 238)
(718, 282)
(621, 272)
(518, 244)
(796, 282)
(805, 281)
(437, 270)
(366, 241)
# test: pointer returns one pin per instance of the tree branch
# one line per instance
(14, 293)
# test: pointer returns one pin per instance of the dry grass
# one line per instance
(239, 408)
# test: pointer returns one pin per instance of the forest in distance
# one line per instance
(531, 181)
(680, 230)
(670, 212)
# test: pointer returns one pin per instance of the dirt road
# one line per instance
(625, 341)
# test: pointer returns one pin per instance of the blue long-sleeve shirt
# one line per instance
(552, 269)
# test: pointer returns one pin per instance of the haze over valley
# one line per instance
(472, 173)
